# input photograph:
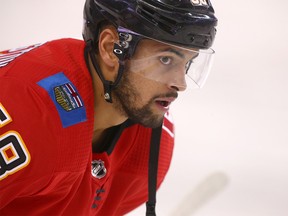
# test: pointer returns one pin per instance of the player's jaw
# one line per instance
(149, 114)
(137, 104)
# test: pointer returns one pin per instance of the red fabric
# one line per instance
(56, 177)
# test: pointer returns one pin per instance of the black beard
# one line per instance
(124, 97)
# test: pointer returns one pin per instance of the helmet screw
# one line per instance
(205, 43)
(192, 38)
(107, 96)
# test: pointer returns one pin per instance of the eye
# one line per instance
(166, 60)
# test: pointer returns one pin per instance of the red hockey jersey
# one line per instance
(46, 124)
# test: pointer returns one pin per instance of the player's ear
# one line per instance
(109, 62)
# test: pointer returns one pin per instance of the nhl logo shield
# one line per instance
(98, 169)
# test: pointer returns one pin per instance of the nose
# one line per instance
(178, 82)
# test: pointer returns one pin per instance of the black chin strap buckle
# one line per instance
(107, 90)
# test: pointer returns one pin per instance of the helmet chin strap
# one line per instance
(107, 85)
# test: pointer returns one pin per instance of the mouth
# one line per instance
(164, 103)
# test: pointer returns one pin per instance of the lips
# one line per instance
(165, 102)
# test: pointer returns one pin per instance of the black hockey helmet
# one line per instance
(185, 23)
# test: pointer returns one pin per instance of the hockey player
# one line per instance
(77, 119)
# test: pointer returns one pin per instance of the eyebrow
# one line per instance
(174, 51)
(181, 55)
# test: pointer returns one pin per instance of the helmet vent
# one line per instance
(157, 19)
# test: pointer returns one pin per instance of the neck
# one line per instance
(106, 115)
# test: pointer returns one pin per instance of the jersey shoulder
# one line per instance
(34, 62)
(46, 109)
(56, 69)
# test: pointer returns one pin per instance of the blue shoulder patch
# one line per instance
(66, 99)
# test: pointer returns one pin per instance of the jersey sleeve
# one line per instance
(26, 135)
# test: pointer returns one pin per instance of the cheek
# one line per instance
(147, 68)
(146, 89)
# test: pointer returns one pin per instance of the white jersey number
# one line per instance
(14, 155)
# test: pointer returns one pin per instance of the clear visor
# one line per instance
(169, 64)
